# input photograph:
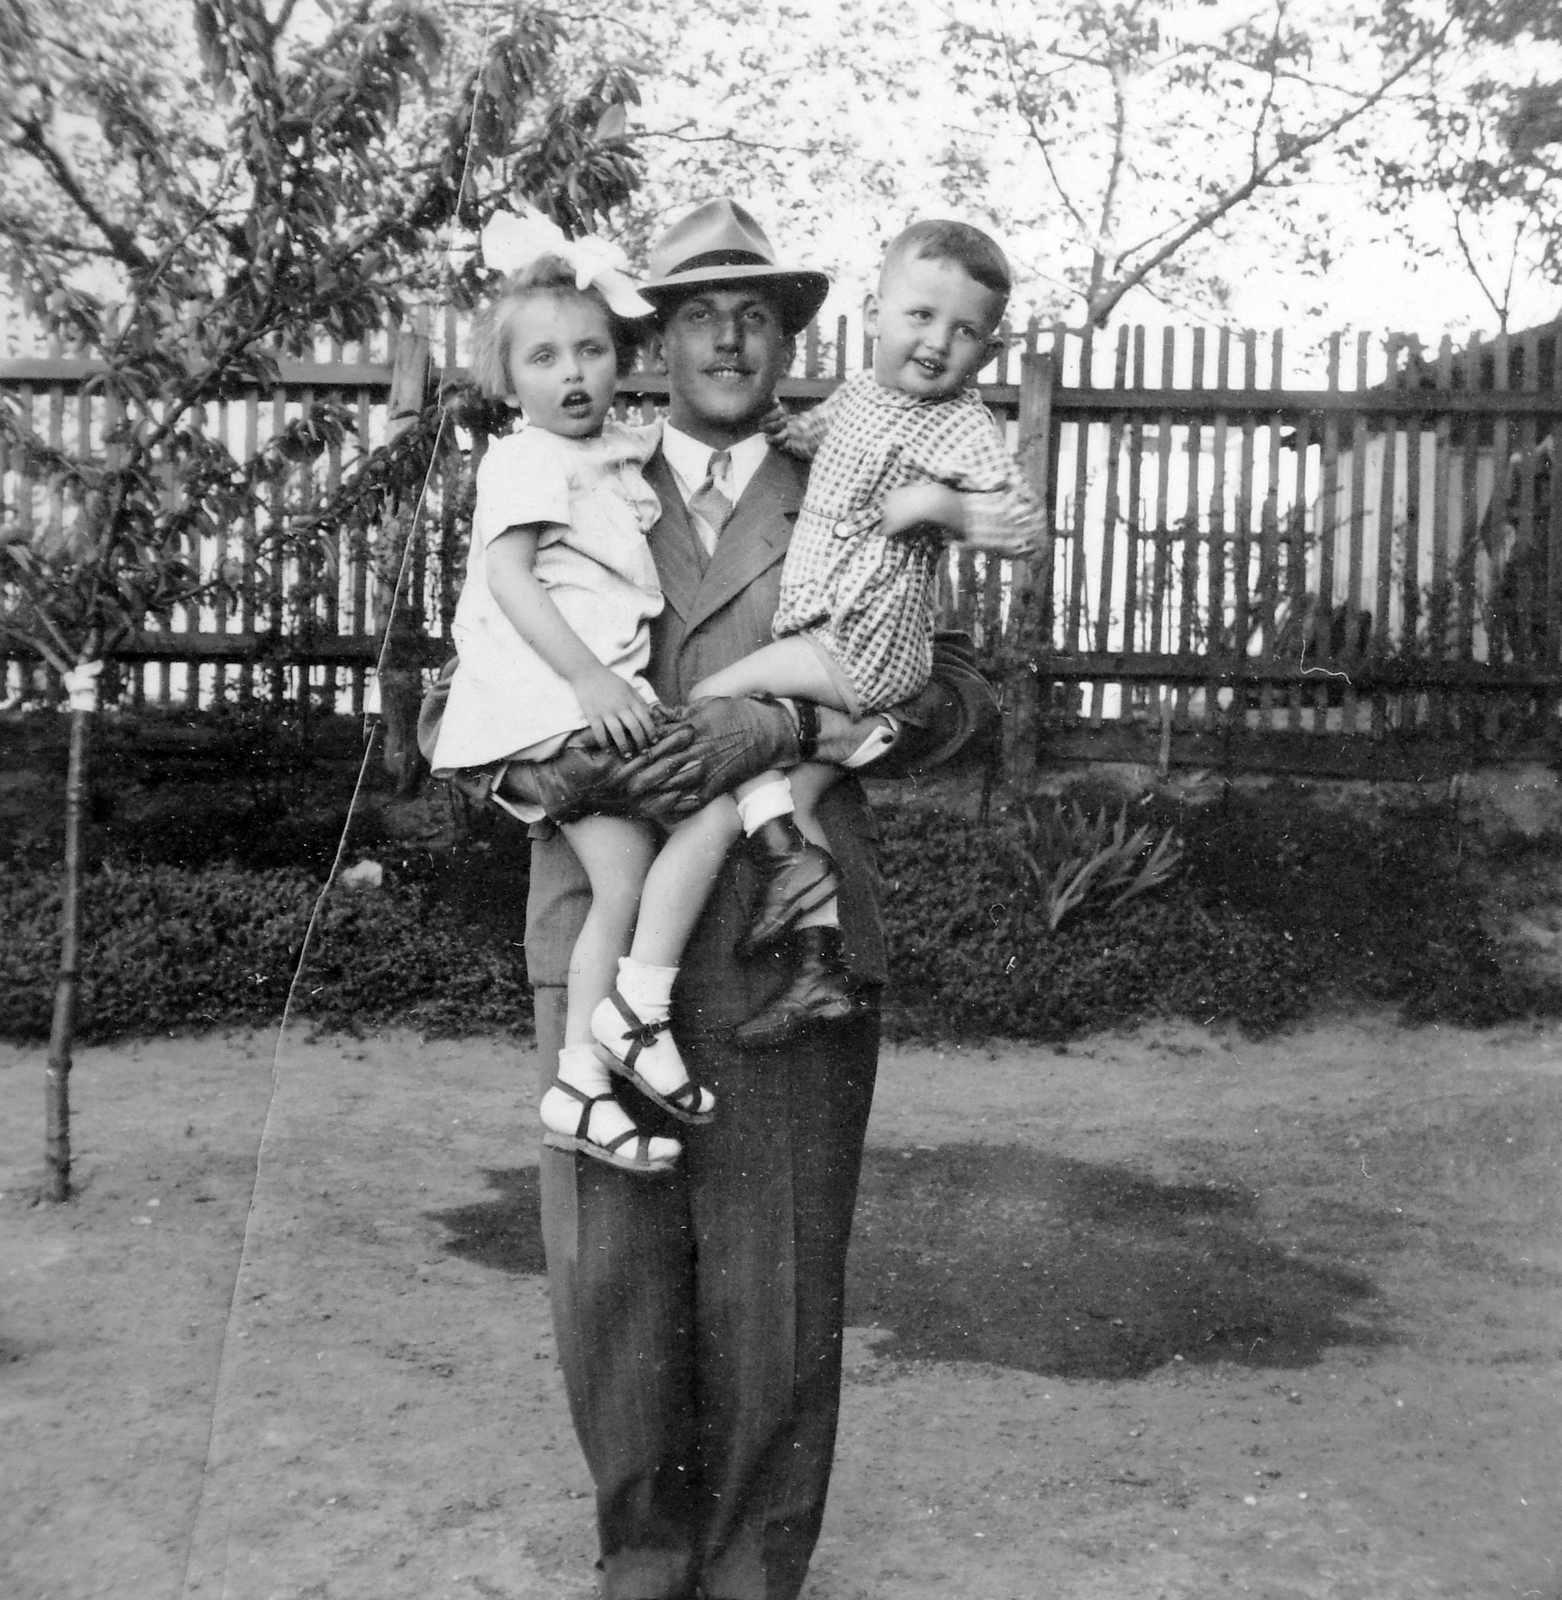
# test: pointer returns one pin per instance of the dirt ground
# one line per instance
(1165, 1314)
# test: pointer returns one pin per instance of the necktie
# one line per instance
(712, 501)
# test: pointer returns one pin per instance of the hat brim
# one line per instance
(798, 294)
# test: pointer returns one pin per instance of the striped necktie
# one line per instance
(712, 501)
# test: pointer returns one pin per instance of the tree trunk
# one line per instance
(401, 664)
(62, 1031)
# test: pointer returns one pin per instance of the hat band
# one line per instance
(722, 258)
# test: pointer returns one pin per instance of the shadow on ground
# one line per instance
(505, 1232)
(1029, 1260)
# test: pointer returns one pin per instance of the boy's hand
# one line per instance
(780, 428)
(617, 715)
(916, 505)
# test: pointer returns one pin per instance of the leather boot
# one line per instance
(794, 876)
(820, 992)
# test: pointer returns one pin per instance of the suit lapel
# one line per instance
(756, 536)
(680, 558)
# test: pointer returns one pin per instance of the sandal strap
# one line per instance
(583, 1127)
(639, 1035)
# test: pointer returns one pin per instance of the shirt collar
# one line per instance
(690, 460)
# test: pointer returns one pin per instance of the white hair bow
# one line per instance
(511, 243)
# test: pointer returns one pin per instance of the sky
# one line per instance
(1373, 283)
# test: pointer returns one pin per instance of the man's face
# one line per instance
(723, 351)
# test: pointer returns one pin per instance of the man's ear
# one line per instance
(870, 317)
(655, 353)
(995, 348)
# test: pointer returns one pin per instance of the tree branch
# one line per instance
(1260, 177)
(43, 149)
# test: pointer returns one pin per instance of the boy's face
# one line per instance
(934, 325)
(563, 367)
(723, 350)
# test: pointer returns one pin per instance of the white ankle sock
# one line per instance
(762, 800)
(826, 916)
(580, 1065)
(647, 990)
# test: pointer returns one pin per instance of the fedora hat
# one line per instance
(720, 245)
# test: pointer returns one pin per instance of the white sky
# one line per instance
(1373, 284)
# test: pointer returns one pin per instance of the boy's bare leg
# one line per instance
(784, 667)
(810, 782)
(616, 853)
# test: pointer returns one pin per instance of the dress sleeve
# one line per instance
(523, 479)
(973, 458)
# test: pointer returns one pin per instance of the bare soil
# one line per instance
(1168, 1313)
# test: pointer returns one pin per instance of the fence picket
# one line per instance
(1217, 642)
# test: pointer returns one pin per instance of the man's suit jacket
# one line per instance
(718, 607)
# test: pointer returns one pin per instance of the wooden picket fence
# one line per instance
(1363, 573)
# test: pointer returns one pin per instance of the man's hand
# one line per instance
(727, 740)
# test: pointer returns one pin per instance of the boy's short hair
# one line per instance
(490, 367)
(969, 248)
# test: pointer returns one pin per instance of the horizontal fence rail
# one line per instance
(1375, 553)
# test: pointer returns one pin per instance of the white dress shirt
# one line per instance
(690, 463)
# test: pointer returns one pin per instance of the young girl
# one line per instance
(551, 630)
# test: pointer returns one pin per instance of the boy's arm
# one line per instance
(1006, 522)
(970, 484)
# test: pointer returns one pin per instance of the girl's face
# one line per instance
(563, 368)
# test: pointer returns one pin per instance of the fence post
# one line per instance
(1030, 617)
(401, 675)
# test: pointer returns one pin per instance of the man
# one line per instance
(699, 1315)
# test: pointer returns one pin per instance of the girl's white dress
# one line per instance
(505, 700)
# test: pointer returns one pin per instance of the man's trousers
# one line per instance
(699, 1314)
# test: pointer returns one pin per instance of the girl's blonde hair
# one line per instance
(491, 331)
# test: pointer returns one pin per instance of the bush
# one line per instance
(1278, 907)
(176, 948)
(970, 950)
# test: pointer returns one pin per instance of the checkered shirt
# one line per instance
(866, 598)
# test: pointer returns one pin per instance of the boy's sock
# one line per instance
(647, 990)
(762, 800)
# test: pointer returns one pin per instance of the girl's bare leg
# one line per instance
(616, 853)
(680, 881)
(631, 1021)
